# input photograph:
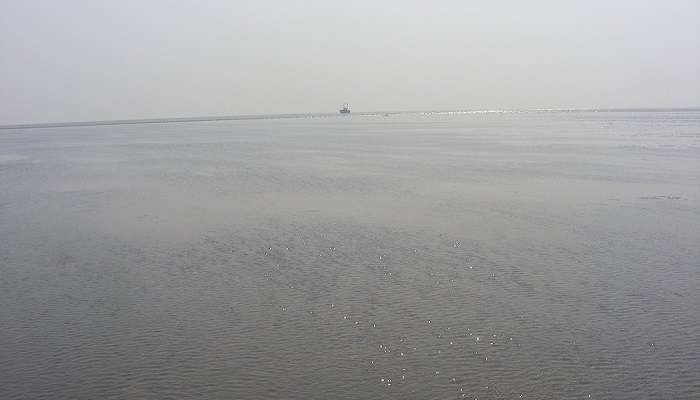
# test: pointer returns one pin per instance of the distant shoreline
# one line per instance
(327, 115)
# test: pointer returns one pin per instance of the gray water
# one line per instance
(536, 255)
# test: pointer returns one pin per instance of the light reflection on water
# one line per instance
(538, 255)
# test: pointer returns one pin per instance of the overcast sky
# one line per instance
(94, 60)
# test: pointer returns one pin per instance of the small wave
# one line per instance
(660, 198)
(10, 158)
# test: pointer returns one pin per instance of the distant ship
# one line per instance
(345, 109)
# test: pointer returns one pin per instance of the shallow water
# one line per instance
(428, 256)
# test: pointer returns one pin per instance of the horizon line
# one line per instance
(243, 117)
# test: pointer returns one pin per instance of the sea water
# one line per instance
(536, 255)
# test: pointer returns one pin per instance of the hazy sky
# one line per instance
(85, 60)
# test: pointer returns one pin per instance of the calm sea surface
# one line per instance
(535, 255)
